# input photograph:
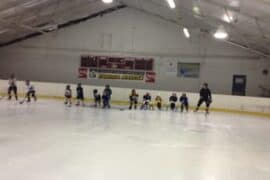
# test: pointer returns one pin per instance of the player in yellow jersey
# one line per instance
(158, 102)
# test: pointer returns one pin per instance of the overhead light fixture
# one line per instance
(107, 1)
(196, 9)
(221, 33)
(228, 18)
(186, 32)
(171, 4)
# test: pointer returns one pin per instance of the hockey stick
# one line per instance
(22, 101)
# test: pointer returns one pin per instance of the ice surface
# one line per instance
(48, 141)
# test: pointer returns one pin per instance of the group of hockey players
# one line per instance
(103, 100)
(147, 103)
(12, 90)
(105, 97)
(205, 97)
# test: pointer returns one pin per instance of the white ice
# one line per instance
(48, 141)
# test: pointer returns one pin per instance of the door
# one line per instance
(239, 85)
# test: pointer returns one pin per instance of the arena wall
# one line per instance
(223, 103)
(55, 57)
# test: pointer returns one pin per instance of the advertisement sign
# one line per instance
(189, 70)
(150, 77)
(120, 63)
(117, 68)
(116, 74)
(83, 73)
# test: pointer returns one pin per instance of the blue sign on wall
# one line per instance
(189, 70)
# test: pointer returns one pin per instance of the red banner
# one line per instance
(83, 73)
(150, 77)
(117, 68)
(121, 63)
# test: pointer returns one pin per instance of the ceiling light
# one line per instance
(171, 3)
(107, 1)
(196, 9)
(221, 34)
(227, 18)
(186, 32)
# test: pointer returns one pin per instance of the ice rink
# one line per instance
(48, 141)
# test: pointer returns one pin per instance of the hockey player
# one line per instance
(173, 99)
(30, 92)
(146, 101)
(97, 98)
(205, 97)
(184, 102)
(68, 95)
(107, 93)
(133, 99)
(12, 87)
(80, 95)
(158, 102)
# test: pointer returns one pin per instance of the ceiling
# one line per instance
(246, 21)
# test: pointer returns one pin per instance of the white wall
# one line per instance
(55, 57)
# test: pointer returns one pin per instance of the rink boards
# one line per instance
(223, 103)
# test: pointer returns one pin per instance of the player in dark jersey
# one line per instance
(107, 93)
(12, 87)
(97, 98)
(80, 95)
(133, 99)
(184, 102)
(205, 97)
(173, 99)
(146, 101)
